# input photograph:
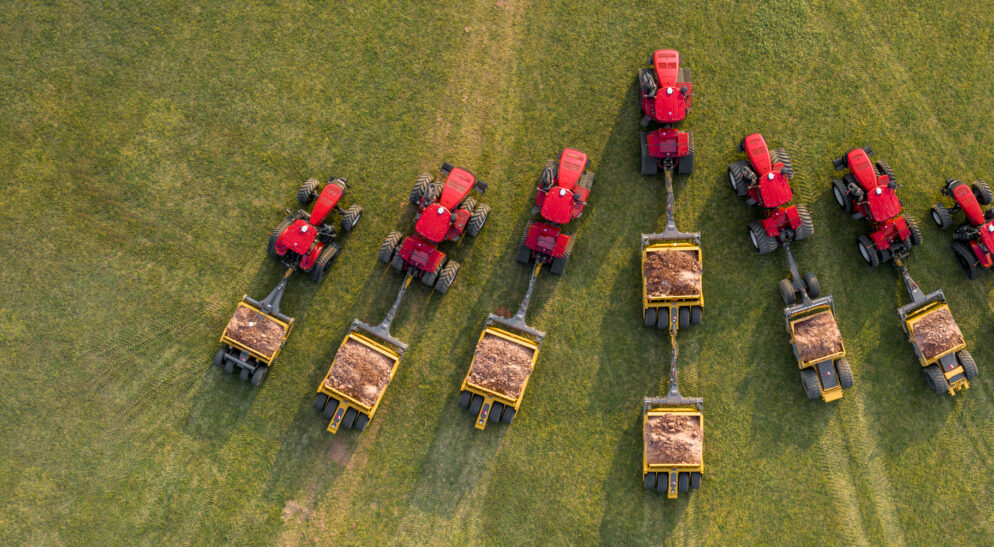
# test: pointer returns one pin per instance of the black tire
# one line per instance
(916, 233)
(941, 216)
(683, 482)
(447, 277)
(468, 205)
(476, 404)
(982, 191)
(787, 292)
(969, 365)
(349, 419)
(760, 240)
(259, 375)
(308, 191)
(330, 408)
(496, 410)
(868, 251)
(360, 421)
(780, 155)
(650, 165)
(844, 372)
(559, 264)
(812, 285)
(524, 254)
(662, 482)
(477, 219)
(586, 181)
(934, 379)
(421, 186)
(683, 316)
(650, 317)
(841, 194)
(319, 400)
(243, 374)
(695, 480)
(736, 175)
(807, 227)
(695, 315)
(649, 480)
(810, 383)
(229, 366)
(389, 246)
(397, 263)
(508, 416)
(271, 248)
(884, 169)
(324, 261)
(219, 357)
(464, 398)
(351, 217)
(683, 75)
(663, 319)
(428, 279)
(685, 165)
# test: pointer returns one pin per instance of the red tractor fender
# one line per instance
(456, 230)
(571, 165)
(889, 231)
(968, 202)
(758, 153)
(457, 187)
(307, 261)
(434, 222)
(547, 240)
(982, 254)
(882, 202)
(781, 219)
(327, 201)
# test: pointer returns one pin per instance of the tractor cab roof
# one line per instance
(434, 222)
(299, 236)
(457, 186)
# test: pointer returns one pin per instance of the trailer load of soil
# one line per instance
(937, 333)
(672, 439)
(255, 331)
(672, 273)
(360, 372)
(501, 365)
(817, 337)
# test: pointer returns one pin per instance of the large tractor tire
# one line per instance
(760, 240)
(779, 155)
(649, 480)
(389, 246)
(934, 378)
(351, 217)
(421, 187)
(845, 373)
(967, 260)
(219, 357)
(271, 248)
(464, 398)
(397, 263)
(916, 233)
(328, 255)
(429, 278)
(807, 227)
(969, 365)
(982, 192)
(683, 75)
(650, 165)
(468, 204)
(477, 219)
(360, 421)
(737, 176)
(869, 251)
(559, 264)
(650, 317)
(883, 168)
(810, 382)
(941, 216)
(586, 181)
(447, 277)
(308, 191)
(259, 375)
(330, 408)
(841, 194)
(685, 165)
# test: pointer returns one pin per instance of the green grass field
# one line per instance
(147, 151)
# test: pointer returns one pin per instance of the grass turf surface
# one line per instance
(147, 151)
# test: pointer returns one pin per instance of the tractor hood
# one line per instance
(666, 63)
(457, 186)
(571, 165)
(434, 222)
(558, 205)
(968, 202)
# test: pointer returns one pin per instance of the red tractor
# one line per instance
(867, 191)
(560, 197)
(764, 179)
(445, 212)
(973, 241)
(303, 240)
(665, 91)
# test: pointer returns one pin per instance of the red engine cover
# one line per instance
(862, 169)
(298, 237)
(457, 186)
(968, 202)
(666, 62)
(668, 143)
(558, 205)
(758, 154)
(434, 222)
(326, 202)
(571, 165)
(883, 203)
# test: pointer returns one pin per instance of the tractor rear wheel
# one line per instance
(243, 375)
(695, 315)
(319, 400)
(308, 191)
(683, 482)
(844, 372)
(477, 219)
(586, 181)
(259, 375)
(812, 285)
(476, 404)
(271, 248)
(841, 193)
(807, 227)
(219, 357)
(420, 188)
(429, 278)
(360, 421)
(388, 246)
(468, 204)
(397, 263)
(649, 480)
(683, 75)
(447, 276)
(969, 365)
(349, 419)
(868, 250)
(559, 264)
(508, 416)
(324, 261)
(810, 382)
(330, 408)
(464, 398)
(351, 217)
(496, 410)
(941, 216)
(650, 165)
(916, 233)
(684, 317)
(934, 378)
(736, 174)
(883, 168)
(650, 317)
(760, 240)
(787, 292)
(524, 253)
(685, 165)
(982, 191)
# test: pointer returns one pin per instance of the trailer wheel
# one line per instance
(464, 398)
(810, 382)
(351, 217)
(509, 413)
(969, 365)
(941, 216)
(684, 317)
(319, 400)
(868, 251)
(845, 373)
(477, 219)
(916, 234)
(219, 357)
(447, 276)
(308, 191)
(330, 408)
(811, 282)
(982, 192)
(495, 411)
(695, 480)
(663, 320)
(649, 480)
(967, 260)
(650, 317)
(476, 404)
(243, 375)
(229, 366)
(349, 419)
(662, 481)
(787, 292)
(388, 246)
(360, 422)
(695, 315)
(934, 378)
(683, 482)
(259, 375)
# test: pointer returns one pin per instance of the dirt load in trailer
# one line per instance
(817, 337)
(255, 331)
(672, 439)
(672, 273)
(360, 372)
(501, 365)
(937, 333)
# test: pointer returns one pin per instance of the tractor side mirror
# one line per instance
(480, 186)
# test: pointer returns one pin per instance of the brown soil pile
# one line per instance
(360, 372)
(672, 273)
(817, 336)
(501, 365)
(937, 332)
(255, 331)
(672, 439)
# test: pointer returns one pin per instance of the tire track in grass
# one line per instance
(840, 479)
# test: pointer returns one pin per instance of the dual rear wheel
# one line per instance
(685, 481)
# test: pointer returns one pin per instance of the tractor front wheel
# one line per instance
(934, 378)
(810, 382)
(447, 276)
(420, 188)
(351, 217)
(868, 251)
(736, 175)
(884, 169)
(845, 373)
(969, 365)
(941, 216)
(967, 260)
(308, 191)
(478, 219)
(787, 292)
(982, 192)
